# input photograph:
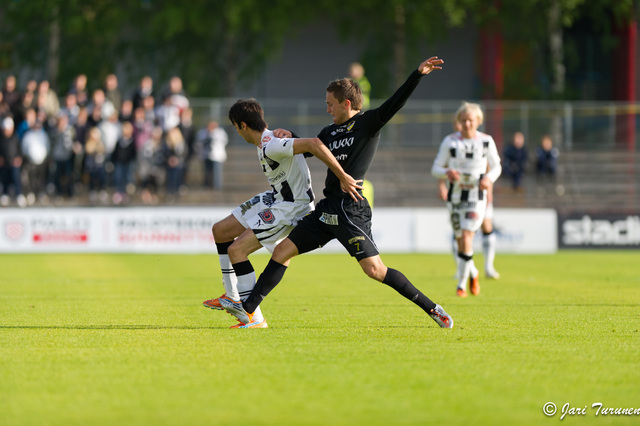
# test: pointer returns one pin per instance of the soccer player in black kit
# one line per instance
(353, 139)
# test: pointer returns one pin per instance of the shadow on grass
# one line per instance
(106, 327)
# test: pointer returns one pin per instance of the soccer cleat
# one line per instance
(461, 292)
(235, 308)
(240, 323)
(492, 274)
(474, 285)
(441, 317)
(213, 303)
(255, 324)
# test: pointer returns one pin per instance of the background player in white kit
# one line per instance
(469, 160)
(488, 236)
(267, 218)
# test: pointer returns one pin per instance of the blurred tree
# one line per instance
(213, 45)
(398, 26)
(69, 36)
(216, 45)
(220, 44)
(539, 55)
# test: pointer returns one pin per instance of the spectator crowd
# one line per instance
(100, 144)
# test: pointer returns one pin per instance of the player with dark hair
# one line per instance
(267, 218)
(353, 139)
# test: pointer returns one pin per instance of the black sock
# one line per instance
(267, 281)
(243, 268)
(223, 248)
(396, 280)
(465, 257)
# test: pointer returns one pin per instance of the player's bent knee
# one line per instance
(375, 271)
(221, 232)
(234, 251)
(217, 230)
(284, 251)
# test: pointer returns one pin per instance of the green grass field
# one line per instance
(123, 340)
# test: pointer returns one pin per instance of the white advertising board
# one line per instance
(188, 230)
(516, 230)
(147, 230)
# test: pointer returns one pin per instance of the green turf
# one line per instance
(124, 340)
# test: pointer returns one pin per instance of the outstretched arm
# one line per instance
(391, 106)
(317, 148)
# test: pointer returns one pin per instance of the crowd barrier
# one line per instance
(188, 230)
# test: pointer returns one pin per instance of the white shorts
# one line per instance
(466, 215)
(270, 221)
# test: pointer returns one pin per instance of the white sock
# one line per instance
(466, 268)
(246, 281)
(489, 251)
(245, 285)
(229, 279)
(454, 250)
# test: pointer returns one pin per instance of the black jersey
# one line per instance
(354, 143)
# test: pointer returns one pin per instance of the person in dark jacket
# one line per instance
(515, 161)
(123, 158)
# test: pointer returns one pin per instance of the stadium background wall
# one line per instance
(188, 230)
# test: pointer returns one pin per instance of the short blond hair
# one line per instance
(472, 108)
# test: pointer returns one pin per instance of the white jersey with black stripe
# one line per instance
(472, 158)
(288, 174)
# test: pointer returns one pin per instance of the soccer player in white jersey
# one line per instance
(469, 160)
(488, 236)
(353, 138)
(267, 218)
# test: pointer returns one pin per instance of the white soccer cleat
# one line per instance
(443, 319)
(492, 274)
(235, 308)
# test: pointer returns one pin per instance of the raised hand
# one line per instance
(433, 63)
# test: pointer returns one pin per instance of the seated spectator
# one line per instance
(100, 102)
(546, 159)
(62, 139)
(177, 95)
(81, 130)
(126, 111)
(212, 142)
(111, 91)
(150, 166)
(175, 154)
(515, 161)
(94, 163)
(167, 114)
(148, 104)
(10, 92)
(36, 146)
(124, 156)
(11, 164)
(189, 134)
(145, 89)
(48, 100)
(70, 108)
(142, 128)
(5, 110)
(79, 88)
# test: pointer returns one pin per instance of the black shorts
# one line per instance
(344, 219)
